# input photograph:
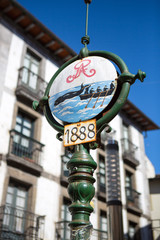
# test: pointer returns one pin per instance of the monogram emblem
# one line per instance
(81, 68)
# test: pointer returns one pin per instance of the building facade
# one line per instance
(154, 185)
(33, 175)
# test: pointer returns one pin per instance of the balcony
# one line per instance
(63, 232)
(129, 152)
(30, 86)
(20, 225)
(101, 186)
(133, 201)
(25, 153)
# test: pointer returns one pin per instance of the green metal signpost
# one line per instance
(76, 81)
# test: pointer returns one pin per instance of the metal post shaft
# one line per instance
(115, 224)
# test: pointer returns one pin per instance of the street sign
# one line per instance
(80, 90)
(81, 132)
(83, 89)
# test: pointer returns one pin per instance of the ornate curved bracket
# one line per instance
(129, 77)
(59, 136)
(39, 105)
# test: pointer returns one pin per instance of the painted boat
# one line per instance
(96, 94)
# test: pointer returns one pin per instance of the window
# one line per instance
(65, 214)
(102, 178)
(129, 185)
(66, 217)
(22, 143)
(128, 148)
(132, 231)
(65, 159)
(126, 137)
(103, 224)
(31, 70)
(15, 209)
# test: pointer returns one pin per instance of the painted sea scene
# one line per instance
(83, 102)
(83, 90)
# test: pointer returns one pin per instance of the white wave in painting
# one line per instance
(65, 113)
(64, 109)
(55, 111)
(100, 106)
(93, 114)
(81, 103)
(84, 110)
(100, 99)
(68, 101)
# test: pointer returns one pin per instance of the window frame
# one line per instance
(131, 223)
(102, 174)
(20, 139)
(13, 208)
(33, 60)
(65, 232)
(102, 216)
(37, 117)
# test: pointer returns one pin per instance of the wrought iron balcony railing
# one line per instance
(30, 84)
(20, 225)
(63, 232)
(133, 197)
(25, 147)
(129, 152)
(99, 235)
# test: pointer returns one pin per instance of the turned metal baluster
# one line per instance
(81, 190)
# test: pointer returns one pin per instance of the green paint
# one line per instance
(81, 190)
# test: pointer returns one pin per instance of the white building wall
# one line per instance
(3, 172)
(155, 200)
(141, 178)
(6, 113)
(47, 204)
(150, 168)
(52, 150)
(14, 62)
(50, 70)
(5, 40)
(8, 97)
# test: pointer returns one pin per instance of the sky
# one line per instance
(130, 29)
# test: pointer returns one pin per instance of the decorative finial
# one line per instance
(86, 39)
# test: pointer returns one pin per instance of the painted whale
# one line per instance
(70, 95)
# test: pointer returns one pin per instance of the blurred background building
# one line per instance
(154, 184)
(33, 174)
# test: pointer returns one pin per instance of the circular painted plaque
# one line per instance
(83, 89)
